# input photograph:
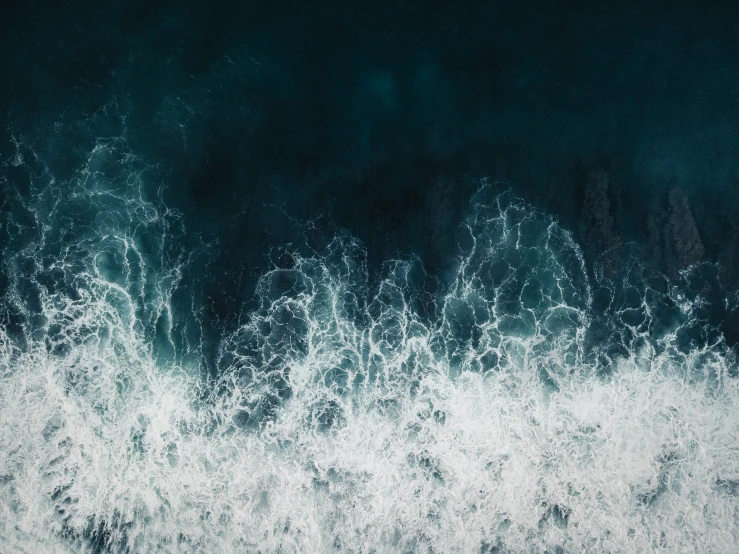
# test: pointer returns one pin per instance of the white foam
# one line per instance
(353, 423)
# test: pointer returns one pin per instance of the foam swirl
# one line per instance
(525, 406)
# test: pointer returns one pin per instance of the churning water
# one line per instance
(256, 294)
(521, 404)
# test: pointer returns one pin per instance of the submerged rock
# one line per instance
(683, 244)
(673, 239)
(598, 233)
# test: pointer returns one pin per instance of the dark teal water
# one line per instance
(426, 277)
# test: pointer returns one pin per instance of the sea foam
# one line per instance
(526, 404)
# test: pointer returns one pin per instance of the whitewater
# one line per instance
(523, 403)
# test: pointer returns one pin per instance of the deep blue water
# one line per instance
(424, 277)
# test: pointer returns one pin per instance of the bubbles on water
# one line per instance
(529, 406)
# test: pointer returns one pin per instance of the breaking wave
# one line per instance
(523, 404)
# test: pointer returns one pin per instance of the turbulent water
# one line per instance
(523, 403)
(418, 277)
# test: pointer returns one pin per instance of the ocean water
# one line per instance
(349, 279)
